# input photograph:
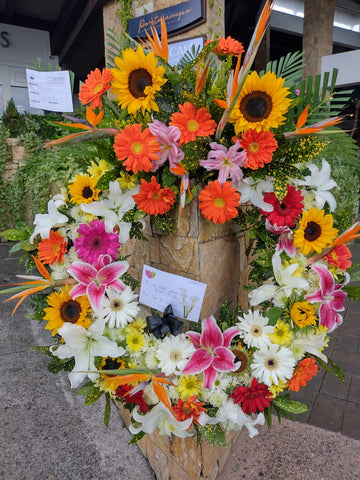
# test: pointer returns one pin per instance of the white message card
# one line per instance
(50, 90)
(159, 289)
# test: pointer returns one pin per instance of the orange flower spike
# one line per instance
(42, 269)
(302, 117)
(160, 48)
(201, 78)
(92, 118)
(131, 378)
(348, 235)
(263, 22)
(162, 395)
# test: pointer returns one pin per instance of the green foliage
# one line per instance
(332, 368)
(289, 67)
(163, 223)
(285, 403)
(12, 120)
(228, 316)
(212, 434)
(56, 364)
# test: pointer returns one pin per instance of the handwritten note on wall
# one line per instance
(159, 289)
(50, 90)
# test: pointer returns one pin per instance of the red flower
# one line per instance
(339, 257)
(286, 211)
(137, 398)
(189, 408)
(152, 199)
(192, 123)
(253, 399)
(95, 85)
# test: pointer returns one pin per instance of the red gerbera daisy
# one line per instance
(139, 148)
(95, 85)
(189, 408)
(286, 211)
(137, 398)
(192, 123)
(52, 249)
(259, 147)
(254, 398)
(339, 257)
(305, 371)
(152, 199)
(219, 203)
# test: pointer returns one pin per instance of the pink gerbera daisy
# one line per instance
(95, 241)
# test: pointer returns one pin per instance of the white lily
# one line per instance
(313, 343)
(232, 417)
(320, 182)
(253, 191)
(162, 418)
(113, 208)
(85, 344)
(286, 283)
(45, 222)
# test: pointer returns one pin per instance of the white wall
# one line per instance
(348, 64)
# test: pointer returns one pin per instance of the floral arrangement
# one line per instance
(242, 145)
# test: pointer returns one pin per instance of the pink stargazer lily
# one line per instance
(93, 279)
(212, 353)
(331, 297)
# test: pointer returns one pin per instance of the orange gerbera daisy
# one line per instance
(228, 46)
(339, 257)
(192, 122)
(259, 147)
(52, 249)
(139, 148)
(152, 199)
(95, 85)
(219, 203)
(304, 372)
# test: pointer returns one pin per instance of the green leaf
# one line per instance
(338, 372)
(42, 349)
(213, 434)
(93, 396)
(352, 292)
(107, 409)
(273, 314)
(110, 176)
(85, 389)
(292, 406)
(16, 247)
(355, 277)
(137, 437)
(268, 416)
(15, 235)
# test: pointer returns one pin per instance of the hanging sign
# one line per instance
(178, 18)
(50, 90)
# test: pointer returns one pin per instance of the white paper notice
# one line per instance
(159, 289)
(50, 90)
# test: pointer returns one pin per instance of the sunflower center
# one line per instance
(138, 80)
(116, 305)
(96, 243)
(256, 106)
(192, 125)
(312, 231)
(254, 147)
(175, 356)
(219, 202)
(256, 331)
(137, 147)
(87, 192)
(70, 311)
(272, 363)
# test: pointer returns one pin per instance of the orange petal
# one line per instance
(131, 378)
(221, 103)
(41, 268)
(263, 21)
(162, 395)
(162, 380)
(303, 117)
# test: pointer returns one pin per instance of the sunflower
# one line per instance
(262, 103)
(219, 203)
(83, 189)
(137, 78)
(62, 308)
(95, 85)
(315, 231)
(303, 314)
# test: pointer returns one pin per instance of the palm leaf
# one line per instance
(289, 67)
(189, 57)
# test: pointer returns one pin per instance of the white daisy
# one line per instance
(273, 364)
(255, 329)
(117, 308)
(173, 353)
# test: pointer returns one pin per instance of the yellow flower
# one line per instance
(134, 341)
(282, 333)
(109, 383)
(127, 181)
(262, 103)
(138, 324)
(137, 79)
(83, 189)
(303, 314)
(315, 231)
(62, 308)
(188, 386)
(97, 170)
(276, 389)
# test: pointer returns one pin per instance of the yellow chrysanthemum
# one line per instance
(62, 308)
(276, 389)
(262, 103)
(282, 333)
(97, 170)
(83, 189)
(137, 79)
(303, 314)
(134, 341)
(188, 386)
(315, 231)
(126, 181)
(138, 324)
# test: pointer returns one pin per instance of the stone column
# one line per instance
(317, 33)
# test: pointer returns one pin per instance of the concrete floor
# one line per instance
(48, 434)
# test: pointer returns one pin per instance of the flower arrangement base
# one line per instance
(181, 458)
